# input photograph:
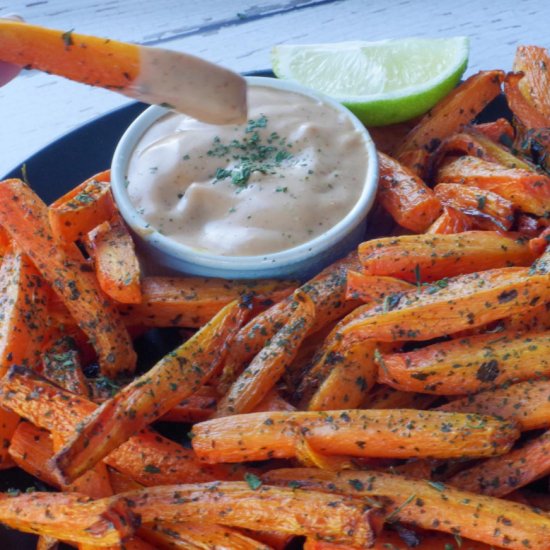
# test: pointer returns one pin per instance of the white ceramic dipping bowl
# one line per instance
(300, 262)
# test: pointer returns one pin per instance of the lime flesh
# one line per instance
(381, 82)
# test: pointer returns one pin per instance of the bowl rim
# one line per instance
(291, 256)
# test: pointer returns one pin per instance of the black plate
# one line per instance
(56, 169)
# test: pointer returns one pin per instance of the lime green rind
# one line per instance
(400, 109)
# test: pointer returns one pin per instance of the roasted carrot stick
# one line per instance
(198, 536)
(327, 290)
(254, 383)
(397, 433)
(487, 209)
(427, 258)
(116, 264)
(527, 403)
(498, 131)
(61, 364)
(533, 62)
(454, 112)
(24, 317)
(257, 506)
(466, 301)
(384, 397)
(147, 457)
(451, 221)
(469, 365)
(86, 206)
(195, 408)
(410, 202)
(69, 516)
(504, 474)
(179, 374)
(373, 288)
(524, 111)
(8, 425)
(527, 190)
(25, 217)
(273, 402)
(391, 540)
(431, 505)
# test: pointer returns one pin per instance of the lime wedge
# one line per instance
(381, 82)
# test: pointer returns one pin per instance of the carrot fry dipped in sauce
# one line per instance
(502, 475)
(527, 403)
(434, 257)
(152, 75)
(25, 217)
(410, 202)
(469, 365)
(398, 433)
(269, 365)
(430, 505)
(179, 374)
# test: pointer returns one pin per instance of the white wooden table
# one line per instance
(37, 108)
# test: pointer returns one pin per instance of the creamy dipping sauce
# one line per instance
(288, 175)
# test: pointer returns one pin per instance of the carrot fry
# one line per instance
(527, 190)
(273, 402)
(473, 143)
(527, 403)
(487, 209)
(405, 196)
(269, 365)
(179, 374)
(147, 457)
(373, 288)
(524, 111)
(529, 319)
(77, 212)
(431, 505)
(469, 365)
(390, 540)
(69, 516)
(8, 425)
(498, 131)
(533, 62)
(395, 433)
(452, 113)
(502, 475)
(433, 257)
(195, 408)
(236, 504)
(466, 301)
(25, 217)
(61, 364)
(198, 537)
(24, 318)
(31, 448)
(384, 397)
(327, 290)
(451, 221)
(116, 264)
